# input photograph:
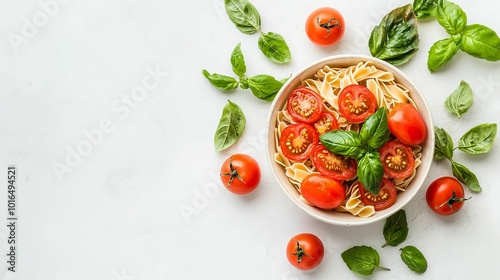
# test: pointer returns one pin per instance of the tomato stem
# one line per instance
(451, 200)
(233, 173)
(328, 25)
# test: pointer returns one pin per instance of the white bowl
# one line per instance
(334, 217)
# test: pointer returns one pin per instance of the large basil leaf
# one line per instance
(481, 42)
(264, 87)
(395, 229)
(479, 139)
(451, 17)
(395, 39)
(414, 259)
(274, 47)
(443, 146)
(460, 100)
(441, 52)
(238, 61)
(370, 172)
(464, 175)
(345, 143)
(425, 8)
(230, 128)
(375, 131)
(244, 15)
(221, 82)
(362, 260)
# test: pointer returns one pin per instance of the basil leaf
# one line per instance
(441, 52)
(362, 260)
(414, 259)
(375, 131)
(274, 47)
(460, 100)
(221, 82)
(481, 42)
(264, 87)
(238, 61)
(244, 15)
(425, 8)
(344, 143)
(451, 17)
(443, 145)
(395, 39)
(395, 229)
(464, 175)
(370, 172)
(479, 139)
(230, 128)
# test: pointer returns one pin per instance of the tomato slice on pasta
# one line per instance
(297, 141)
(381, 201)
(356, 103)
(326, 122)
(304, 105)
(331, 165)
(397, 159)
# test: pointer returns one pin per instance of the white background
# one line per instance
(116, 212)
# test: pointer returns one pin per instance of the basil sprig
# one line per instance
(460, 100)
(414, 259)
(230, 128)
(362, 260)
(395, 229)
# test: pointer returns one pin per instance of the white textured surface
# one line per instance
(117, 214)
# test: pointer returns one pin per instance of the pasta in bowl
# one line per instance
(332, 123)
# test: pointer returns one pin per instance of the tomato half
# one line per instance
(397, 159)
(297, 141)
(381, 201)
(305, 251)
(326, 122)
(331, 165)
(322, 192)
(356, 103)
(406, 123)
(240, 174)
(304, 105)
(325, 26)
(445, 196)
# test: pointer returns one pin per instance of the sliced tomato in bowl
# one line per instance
(326, 122)
(304, 105)
(298, 140)
(381, 201)
(397, 159)
(331, 165)
(356, 103)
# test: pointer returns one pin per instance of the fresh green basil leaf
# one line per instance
(479, 139)
(451, 17)
(481, 42)
(440, 53)
(231, 126)
(464, 175)
(264, 87)
(375, 131)
(395, 39)
(414, 259)
(221, 82)
(425, 8)
(344, 143)
(370, 172)
(238, 61)
(443, 145)
(274, 47)
(395, 229)
(244, 15)
(362, 260)
(460, 100)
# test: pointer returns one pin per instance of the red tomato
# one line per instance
(305, 251)
(325, 26)
(240, 174)
(397, 159)
(297, 141)
(445, 196)
(322, 192)
(304, 105)
(406, 123)
(383, 200)
(331, 165)
(356, 103)
(326, 122)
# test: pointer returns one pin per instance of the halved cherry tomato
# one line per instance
(331, 165)
(304, 105)
(325, 26)
(445, 196)
(326, 122)
(322, 192)
(305, 251)
(383, 200)
(356, 103)
(397, 159)
(240, 174)
(406, 123)
(297, 141)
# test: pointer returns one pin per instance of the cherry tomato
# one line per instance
(356, 103)
(325, 26)
(383, 200)
(240, 174)
(326, 122)
(322, 192)
(304, 105)
(297, 141)
(397, 159)
(445, 196)
(305, 251)
(406, 123)
(331, 165)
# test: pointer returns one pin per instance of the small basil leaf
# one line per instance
(460, 100)
(264, 87)
(230, 128)
(362, 260)
(451, 17)
(481, 42)
(443, 146)
(375, 131)
(479, 139)
(238, 61)
(244, 15)
(370, 172)
(414, 259)
(464, 175)
(344, 143)
(395, 229)
(440, 53)
(425, 8)
(221, 82)
(274, 47)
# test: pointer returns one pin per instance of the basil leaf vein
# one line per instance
(238, 61)
(244, 15)
(425, 8)
(451, 17)
(395, 229)
(460, 100)
(414, 259)
(443, 145)
(479, 139)
(480, 41)
(375, 131)
(274, 47)
(362, 260)
(230, 128)
(440, 53)
(264, 87)
(370, 172)
(464, 175)
(344, 143)
(221, 82)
